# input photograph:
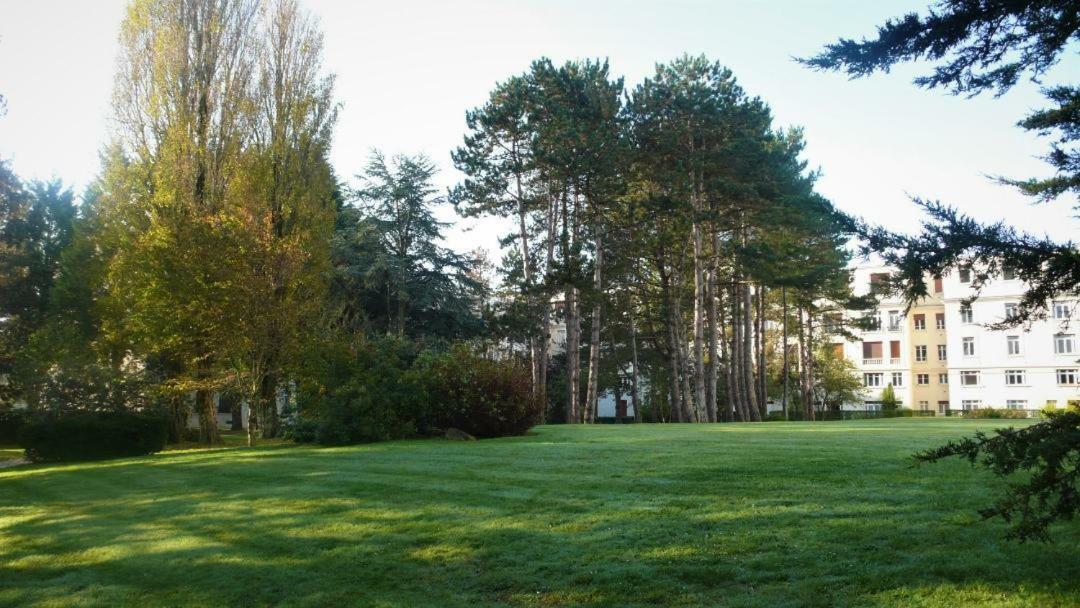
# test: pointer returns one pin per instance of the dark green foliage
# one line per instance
(1047, 458)
(388, 251)
(888, 399)
(978, 45)
(481, 396)
(362, 391)
(11, 423)
(93, 436)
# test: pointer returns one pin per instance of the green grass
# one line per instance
(9, 453)
(773, 515)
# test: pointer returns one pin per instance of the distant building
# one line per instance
(940, 356)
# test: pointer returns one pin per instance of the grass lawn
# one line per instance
(769, 515)
(9, 453)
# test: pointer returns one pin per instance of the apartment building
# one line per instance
(940, 355)
(929, 352)
(883, 354)
(1026, 367)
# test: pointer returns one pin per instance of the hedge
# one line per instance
(93, 436)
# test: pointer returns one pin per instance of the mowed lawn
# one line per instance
(769, 515)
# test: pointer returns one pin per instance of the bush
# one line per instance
(361, 392)
(481, 396)
(990, 412)
(11, 423)
(93, 436)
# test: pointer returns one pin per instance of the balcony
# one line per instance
(894, 361)
(871, 361)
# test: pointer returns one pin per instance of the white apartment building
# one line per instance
(882, 354)
(1027, 367)
(958, 363)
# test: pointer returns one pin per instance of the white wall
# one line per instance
(991, 359)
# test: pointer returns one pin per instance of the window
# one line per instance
(1062, 310)
(894, 320)
(1008, 273)
(897, 379)
(920, 322)
(943, 378)
(1063, 344)
(939, 319)
(942, 406)
(922, 379)
(966, 316)
(1016, 404)
(894, 351)
(1014, 377)
(965, 275)
(970, 404)
(872, 379)
(969, 347)
(1051, 403)
(969, 378)
(920, 352)
(1012, 345)
(924, 405)
(942, 353)
(879, 282)
(1010, 310)
(1066, 377)
(871, 352)
(937, 285)
(837, 350)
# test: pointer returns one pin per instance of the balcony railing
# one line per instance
(871, 361)
(894, 361)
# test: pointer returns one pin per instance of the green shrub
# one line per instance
(11, 423)
(990, 412)
(93, 436)
(481, 396)
(361, 391)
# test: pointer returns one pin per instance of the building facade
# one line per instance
(941, 356)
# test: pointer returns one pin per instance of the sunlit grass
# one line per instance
(830, 514)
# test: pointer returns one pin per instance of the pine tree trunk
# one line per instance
(749, 387)
(762, 377)
(672, 343)
(634, 364)
(700, 405)
(594, 333)
(710, 368)
(785, 367)
(737, 360)
(810, 370)
(573, 354)
(689, 408)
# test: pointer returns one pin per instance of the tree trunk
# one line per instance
(700, 404)
(634, 364)
(267, 406)
(785, 368)
(594, 334)
(762, 377)
(236, 411)
(750, 387)
(207, 411)
(573, 354)
(810, 364)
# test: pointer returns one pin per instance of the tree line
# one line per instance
(671, 230)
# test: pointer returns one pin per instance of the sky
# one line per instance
(407, 71)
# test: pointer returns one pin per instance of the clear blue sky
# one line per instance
(407, 71)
